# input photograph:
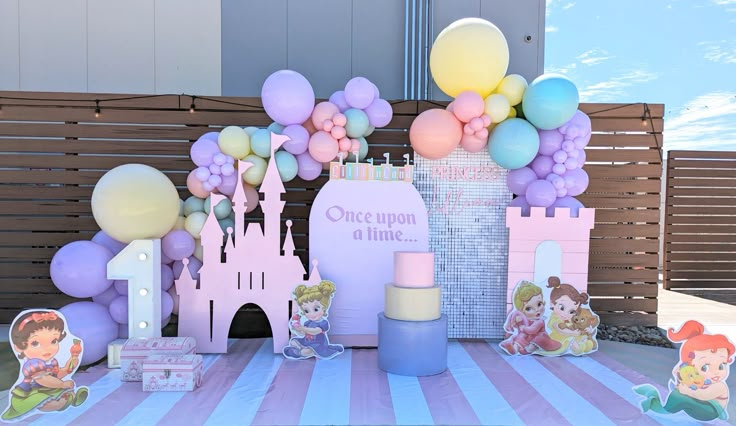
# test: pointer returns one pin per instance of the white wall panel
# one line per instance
(188, 50)
(120, 46)
(53, 45)
(9, 45)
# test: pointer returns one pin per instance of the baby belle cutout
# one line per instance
(698, 387)
(310, 325)
(48, 355)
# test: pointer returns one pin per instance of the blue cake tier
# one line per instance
(412, 348)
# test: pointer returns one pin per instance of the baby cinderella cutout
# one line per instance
(310, 325)
(699, 384)
(37, 337)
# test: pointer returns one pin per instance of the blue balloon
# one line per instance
(357, 124)
(513, 143)
(260, 143)
(550, 101)
(276, 128)
(287, 165)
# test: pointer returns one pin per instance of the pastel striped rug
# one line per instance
(251, 385)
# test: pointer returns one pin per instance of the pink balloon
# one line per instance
(308, 167)
(251, 198)
(482, 133)
(287, 97)
(227, 186)
(550, 141)
(354, 145)
(468, 105)
(340, 119)
(338, 132)
(473, 143)
(359, 92)
(435, 133)
(323, 147)
(450, 107)
(345, 144)
(298, 139)
(468, 130)
(328, 125)
(338, 98)
(379, 113)
(323, 111)
(476, 123)
(195, 186)
(486, 120)
(203, 151)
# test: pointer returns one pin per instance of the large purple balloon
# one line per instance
(121, 286)
(203, 151)
(549, 141)
(167, 277)
(565, 202)
(576, 182)
(79, 269)
(194, 265)
(92, 323)
(298, 139)
(105, 240)
(542, 166)
(107, 296)
(359, 92)
(287, 97)
(308, 167)
(178, 244)
(338, 98)
(541, 193)
(167, 305)
(526, 209)
(379, 113)
(518, 180)
(119, 310)
(229, 183)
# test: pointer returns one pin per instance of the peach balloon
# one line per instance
(435, 133)
(323, 111)
(468, 105)
(338, 132)
(251, 198)
(345, 144)
(340, 120)
(473, 143)
(323, 147)
(195, 186)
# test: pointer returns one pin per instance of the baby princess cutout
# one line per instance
(310, 325)
(48, 355)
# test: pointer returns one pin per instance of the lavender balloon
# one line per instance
(568, 146)
(541, 193)
(559, 169)
(121, 287)
(308, 167)
(559, 156)
(167, 277)
(542, 166)
(338, 98)
(550, 141)
(178, 244)
(79, 269)
(215, 180)
(578, 126)
(566, 202)
(119, 310)
(214, 170)
(219, 159)
(227, 169)
(518, 180)
(107, 241)
(204, 150)
(92, 323)
(557, 181)
(576, 182)
(106, 297)
(298, 139)
(526, 209)
(202, 173)
(228, 184)
(571, 163)
(167, 305)
(379, 113)
(287, 97)
(359, 92)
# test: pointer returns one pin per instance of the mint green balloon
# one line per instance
(225, 223)
(275, 127)
(362, 153)
(222, 209)
(250, 130)
(193, 204)
(260, 143)
(287, 165)
(357, 124)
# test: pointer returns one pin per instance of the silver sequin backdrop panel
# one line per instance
(467, 232)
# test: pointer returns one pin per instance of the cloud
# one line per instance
(716, 52)
(564, 69)
(707, 122)
(594, 56)
(615, 88)
(551, 29)
(558, 4)
(719, 2)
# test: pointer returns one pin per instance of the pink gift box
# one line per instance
(135, 351)
(172, 373)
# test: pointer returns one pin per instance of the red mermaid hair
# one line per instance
(692, 334)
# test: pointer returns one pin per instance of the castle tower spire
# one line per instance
(272, 205)
(211, 234)
(240, 200)
(185, 284)
(289, 240)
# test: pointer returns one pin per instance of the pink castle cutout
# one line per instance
(255, 269)
(526, 233)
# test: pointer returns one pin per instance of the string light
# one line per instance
(97, 108)
(192, 107)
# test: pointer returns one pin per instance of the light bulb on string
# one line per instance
(192, 107)
(97, 108)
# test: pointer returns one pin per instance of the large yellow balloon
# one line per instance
(470, 54)
(234, 141)
(135, 201)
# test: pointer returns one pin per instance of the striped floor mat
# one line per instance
(251, 385)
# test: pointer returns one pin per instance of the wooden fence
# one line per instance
(700, 227)
(54, 147)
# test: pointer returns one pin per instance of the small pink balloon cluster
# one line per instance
(469, 107)
(555, 176)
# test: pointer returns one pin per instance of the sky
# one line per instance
(681, 53)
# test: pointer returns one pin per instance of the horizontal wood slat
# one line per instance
(53, 151)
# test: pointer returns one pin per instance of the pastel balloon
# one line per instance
(202, 173)
(251, 198)
(275, 128)
(359, 92)
(571, 164)
(226, 223)
(497, 107)
(519, 180)
(323, 147)
(521, 201)
(323, 111)
(79, 269)
(165, 260)
(214, 170)
(260, 143)
(345, 144)
(379, 113)
(227, 170)
(194, 224)
(340, 119)
(559, 156)
(193, 204)
(195, 186)
(559, 169)
(576, 182)
(204, 149)
(220, 158)
(234, 141)
(541, 193)
(221, 210)
(175, 299)
(287, 97)
(177, 244)
(470, 54)
(542, 166)
(193, 267)
(91, 323)
(135, 201)
(362, 151)
(250, 130)
(287, 165)
(167, 304)
(107, 296)
(550, 101)
(167, 277)
(121, 286)
(357, 123)
(435, 133)
(338, 98)
(108, 242)
(338, 132)
(298, 139)
(468, 105)
(214, 180)
(473, 143)
(255, 173)
(369, 132)
(198, 252)
(309, 126)
(512, 87)
(550, 141)
(308, 167)
(566, 202)
(513, 143)
(119, 310)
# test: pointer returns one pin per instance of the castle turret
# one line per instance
(185, 284)
(240, 201)
(289, 249)
(272, 205)
(211, 234)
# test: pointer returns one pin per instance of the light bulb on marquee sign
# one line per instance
(140, 264)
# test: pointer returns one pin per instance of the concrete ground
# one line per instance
(675, 308)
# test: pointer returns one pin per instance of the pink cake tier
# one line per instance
(413, 269)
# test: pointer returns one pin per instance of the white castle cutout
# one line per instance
(256, 268)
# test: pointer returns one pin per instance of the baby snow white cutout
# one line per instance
(569, 328)
(310, 325)
(40, 340)
(699, 384)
